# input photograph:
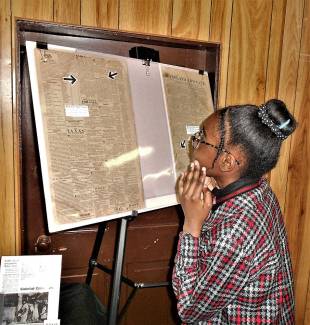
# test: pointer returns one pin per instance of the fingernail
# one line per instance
(192, 165)
(203, 169)
(207, 181)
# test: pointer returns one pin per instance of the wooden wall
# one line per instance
(265, 54)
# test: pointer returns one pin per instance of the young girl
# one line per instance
(232, 264)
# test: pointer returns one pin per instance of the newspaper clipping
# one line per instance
(30, 289)
(189, 102)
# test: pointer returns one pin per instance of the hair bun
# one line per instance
(276, 116)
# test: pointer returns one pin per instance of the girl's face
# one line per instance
(206, 152)
(228, 165)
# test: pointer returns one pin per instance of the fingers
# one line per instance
(188, 176)
(184, 180)
(208, 183)
(195, 198)
(193, 181)
(180, 185)
(207, 200)
(198, 184)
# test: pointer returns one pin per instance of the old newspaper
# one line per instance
(29, 289)
(113, 133)
(91, 149)
(189, 102)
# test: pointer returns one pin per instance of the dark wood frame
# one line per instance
(192, 54)
(175, 51)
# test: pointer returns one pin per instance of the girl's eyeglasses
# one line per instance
(199, 137)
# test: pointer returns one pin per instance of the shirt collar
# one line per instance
(238, 187)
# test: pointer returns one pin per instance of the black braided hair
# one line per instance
(222, 132)
(259, 135)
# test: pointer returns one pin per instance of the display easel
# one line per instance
(117, 270)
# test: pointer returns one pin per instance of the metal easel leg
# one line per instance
(118, 273)
(94, 255)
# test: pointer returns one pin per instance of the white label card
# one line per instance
(192, 129)
(76, 110)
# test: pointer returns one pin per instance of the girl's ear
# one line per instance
(227, 162)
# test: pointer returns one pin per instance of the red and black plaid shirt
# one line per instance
(239, 270)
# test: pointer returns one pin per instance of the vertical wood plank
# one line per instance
(307, 311)
(191, 19)
(36, 9)
(221, 14)
(33, 9)
(68, 11)
(275, 49)
(275, 52)
(287, 88)
(100, 13)
(152, 16)
(297, 207)
(7, 209)
(250, 32)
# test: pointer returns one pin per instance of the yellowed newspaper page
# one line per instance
(188, 101)
(89, 135)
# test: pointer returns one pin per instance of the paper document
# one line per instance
(88, 139)
(30, 289)
(189, 102)
(113, 134)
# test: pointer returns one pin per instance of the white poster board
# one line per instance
(112, 132)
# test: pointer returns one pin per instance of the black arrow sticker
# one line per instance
(183, 144)
(71, 79)
(112, 75)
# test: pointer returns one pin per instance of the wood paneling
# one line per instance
(275, 49)
(297, 205)
(250, 32)
(7, 212)
(307, 311)
(191, 19)
(100, 13)
(287, 88)
(262, 57)
(152, 16)
(68, 11)
(36, 9)
(220, 32)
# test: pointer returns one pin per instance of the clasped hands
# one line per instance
(194, 194)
